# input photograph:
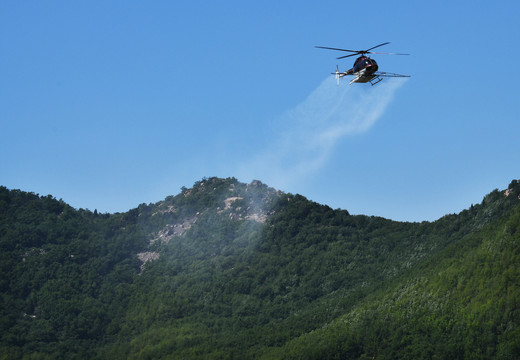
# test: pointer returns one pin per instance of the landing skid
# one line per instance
(376, 80)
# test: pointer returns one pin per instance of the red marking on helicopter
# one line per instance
(364, 69)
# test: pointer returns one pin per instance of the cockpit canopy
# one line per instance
(363, 62)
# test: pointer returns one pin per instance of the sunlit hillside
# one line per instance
(230, 270)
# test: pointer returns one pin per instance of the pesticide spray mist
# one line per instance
(306, 135)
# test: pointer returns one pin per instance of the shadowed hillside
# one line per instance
(231, 270)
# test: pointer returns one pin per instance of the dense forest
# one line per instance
(226, 270)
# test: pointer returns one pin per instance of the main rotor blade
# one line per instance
(330, 48)
(346, 56)
(386, 43)
(378, 53)
(360, 52)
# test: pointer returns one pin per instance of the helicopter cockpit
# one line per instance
(363, 62)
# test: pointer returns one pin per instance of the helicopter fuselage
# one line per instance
(364, 62)
(363, 70)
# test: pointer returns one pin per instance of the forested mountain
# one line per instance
(226, 270)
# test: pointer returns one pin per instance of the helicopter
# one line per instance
(364, 69)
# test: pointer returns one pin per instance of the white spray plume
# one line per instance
(308, 133)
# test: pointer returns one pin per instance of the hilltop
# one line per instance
(232, 270)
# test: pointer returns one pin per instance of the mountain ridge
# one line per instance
(226, 269)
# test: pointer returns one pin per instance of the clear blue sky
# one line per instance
(109, 104)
